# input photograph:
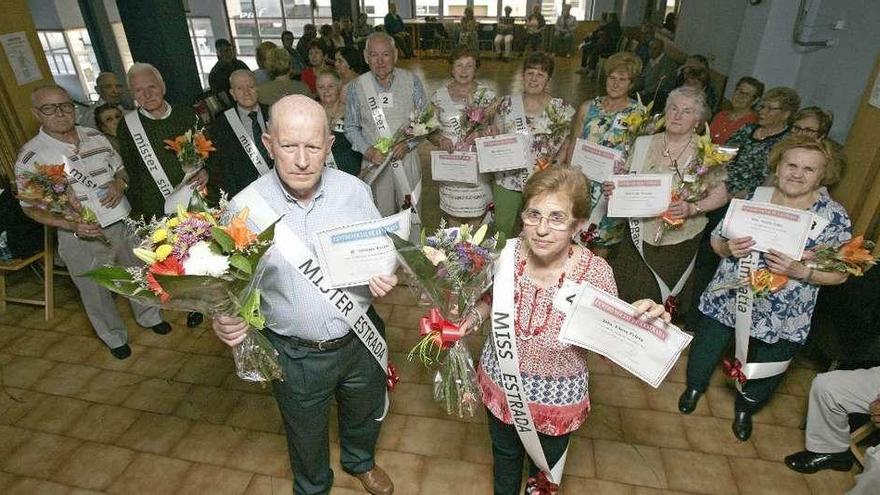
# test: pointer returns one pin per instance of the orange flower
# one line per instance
(203, 145)
(855, 253)
(672, 222)
(238, 230)
(542, 164)
(55, 173)
(764, 280)
(175, 144)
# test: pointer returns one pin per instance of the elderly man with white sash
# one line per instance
(237, 135)
(154, 171)
(768, 328)
(330, 341)
(377, 104)
(99, 183)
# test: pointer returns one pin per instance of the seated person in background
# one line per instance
(110, 91)
(657, 75)
(504, 34)
(698, 77)
(833, 397)
(310, 33)
(281, 84)
(262, 74)
(226, 64)
(345, 30)
(600, 43)
(361, 30)
(107, 118)
(726, 122)
(326, 40)
(564, 33)
(813, 122)
(646, 34)
(468, 34)
(349, 65)
(341, 155)
(534, 29)
(336, 34)
(297, 61)
(317, 57)
(395, 27)
(694, 61)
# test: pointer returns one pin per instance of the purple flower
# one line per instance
(59, 188)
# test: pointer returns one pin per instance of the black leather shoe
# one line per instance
(742, 425)
(161, 328)
(194, 319)
(688, 400)
(121, 352)
(811, 462)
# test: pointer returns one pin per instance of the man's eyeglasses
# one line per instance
(555, 220)
(53, 108)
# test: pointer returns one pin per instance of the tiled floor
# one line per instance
(174, 419)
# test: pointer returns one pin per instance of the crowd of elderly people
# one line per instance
(555, 217)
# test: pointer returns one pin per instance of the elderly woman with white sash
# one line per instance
(533, 385)
(657, 261)
(378, 103)
(462, 202)
(544, 122)
(771, 327)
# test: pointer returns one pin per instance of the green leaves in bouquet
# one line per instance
(118, 280)
(420, 266)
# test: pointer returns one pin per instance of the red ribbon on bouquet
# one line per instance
(588, 236)
(445, 332)
(393, 377)
(540, 485)
(733, 369)
(671, 305)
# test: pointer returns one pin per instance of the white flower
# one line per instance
(435, 256)
(419, 129)
(203, 261)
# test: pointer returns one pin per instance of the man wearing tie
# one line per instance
(241, 156)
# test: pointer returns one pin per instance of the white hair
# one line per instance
(139, 67)
(379, 35)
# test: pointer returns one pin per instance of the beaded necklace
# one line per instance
(530, 331)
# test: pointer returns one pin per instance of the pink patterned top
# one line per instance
(555, 376)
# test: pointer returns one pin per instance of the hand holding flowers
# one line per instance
(49, 188)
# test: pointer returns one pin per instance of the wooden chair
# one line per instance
(856, 438)
(47, 256)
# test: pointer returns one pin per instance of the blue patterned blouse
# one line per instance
(785, 314)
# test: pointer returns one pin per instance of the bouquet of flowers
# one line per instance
(477, 116)
(451, 269)
(196, 262)
(192, 148)
(420, 125)
(49, 188)
(692, 186)
(640, 123)
(549, 130)
(854, 258)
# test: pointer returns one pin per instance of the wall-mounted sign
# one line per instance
(21, 57)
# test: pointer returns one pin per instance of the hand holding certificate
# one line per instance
(351, 255)
(770, 226)
(606, 325)
(460, 166)
(596, 161)
(504, 152)
(181, 194)
(640, 195)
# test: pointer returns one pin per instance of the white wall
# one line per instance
(723, 19)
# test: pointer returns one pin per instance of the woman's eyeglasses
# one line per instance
(555, 220)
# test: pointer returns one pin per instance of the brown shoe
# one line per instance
(376, 481)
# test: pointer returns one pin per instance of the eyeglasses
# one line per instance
(749, 94)
(555, 220)
(804, 130)
(764, 106)
(53, 108)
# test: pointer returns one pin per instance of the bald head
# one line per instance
(53, 108)
(39, 95)
(109, 88)
(298, 111)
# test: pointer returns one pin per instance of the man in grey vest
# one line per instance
(377, 104)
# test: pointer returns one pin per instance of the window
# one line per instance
(427, 8)
(255, 21)
(202, 36)
(57, 53)
(374, 8)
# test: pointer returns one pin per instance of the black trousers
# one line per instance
(711, 340)
(508, 453)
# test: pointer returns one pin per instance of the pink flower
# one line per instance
(477, 114)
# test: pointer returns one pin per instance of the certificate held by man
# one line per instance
(606, 325)
(503, 152)
(459, 166)
(596, 161)
(640, 196)
(352, 254)
(770, 226)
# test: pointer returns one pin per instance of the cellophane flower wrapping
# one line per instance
(49, 188)
(196, 262)
(450, 271)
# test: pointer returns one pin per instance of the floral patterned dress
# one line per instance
(555, 376)
(547, 131)
(749, 169)
(785, 314)
(607, 129)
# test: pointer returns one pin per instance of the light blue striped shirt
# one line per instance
(293, 306)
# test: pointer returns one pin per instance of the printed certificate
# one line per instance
(640, 195)
(107, 216)
(504, 152)
(596, 161)
(350, 255)
(604, 324)
(459, 166)
(181, 194)
(770, 226)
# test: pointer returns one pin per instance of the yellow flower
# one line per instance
(163, 252)
(172, 222)
(145, 255)
(159, 235)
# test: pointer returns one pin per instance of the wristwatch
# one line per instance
(124, 183)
